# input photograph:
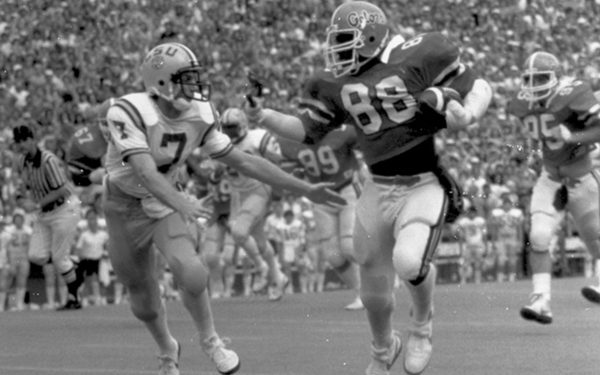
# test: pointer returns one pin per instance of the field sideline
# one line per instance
(477, 330)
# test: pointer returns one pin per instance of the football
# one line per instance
(437, 98)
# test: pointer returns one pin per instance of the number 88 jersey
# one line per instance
(381, 99)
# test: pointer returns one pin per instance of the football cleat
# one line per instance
(278, 289)
(169, 365)
(538, 310)
(591, 293)
(262, 281)
(226, 360)
(383, 358)
(419, 347)
(71, 304)
(355, 305)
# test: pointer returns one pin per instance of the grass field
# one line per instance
(477, 330)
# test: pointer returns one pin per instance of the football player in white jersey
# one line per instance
(250, 200)
(151, 135)
(507, 226)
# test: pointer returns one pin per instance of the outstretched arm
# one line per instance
(286, 126)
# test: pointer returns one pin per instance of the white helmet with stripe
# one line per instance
(540, 76)
(172, 71)
(234, 123)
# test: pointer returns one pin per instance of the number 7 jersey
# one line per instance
(381, 100)
(137, 126)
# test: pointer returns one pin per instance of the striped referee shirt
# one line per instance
(42, 174)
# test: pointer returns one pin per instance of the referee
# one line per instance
(59, 210)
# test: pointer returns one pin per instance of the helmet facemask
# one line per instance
(347, 50)
(538, 85)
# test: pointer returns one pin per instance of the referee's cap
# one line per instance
(22, 133)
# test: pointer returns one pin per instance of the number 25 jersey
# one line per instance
(574, 106)
(137, 126)
(381, 100)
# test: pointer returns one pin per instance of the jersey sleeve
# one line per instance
(126, 129)
(585, 104)
(54, 171)
(317, 110)
(216, 144)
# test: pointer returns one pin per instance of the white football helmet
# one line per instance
(540, 76)
(234, 123)
(358, 32)
(172, 71)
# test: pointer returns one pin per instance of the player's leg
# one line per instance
(417, 230)
(62, 221)
(373, 243)
(229, 266)
(178, 241)
(584, 205)
(4, 280)
(21, 275)
(242, 218)
(544, 221)
(129, 248)
(211, 253)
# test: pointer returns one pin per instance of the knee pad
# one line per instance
(190, 274)
(542, 231)
(415, 246)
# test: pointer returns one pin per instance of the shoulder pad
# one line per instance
(141, 103)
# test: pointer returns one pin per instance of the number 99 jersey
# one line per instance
(330, 160)
(573, 105)
(381, 99)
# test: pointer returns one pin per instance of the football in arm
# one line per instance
(437, 98)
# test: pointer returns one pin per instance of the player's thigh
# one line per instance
(419, 224)
(39, 245)
(129, 241)
(543, 195)
(177, 241)
(373, 232)
(249, 209)
(584, 206)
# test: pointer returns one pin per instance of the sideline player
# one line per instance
(374, 81)
(507, 228)
(250, 201)
(563, 118)
(332, 159)
(152, 133)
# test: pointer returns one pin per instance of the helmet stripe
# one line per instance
(188, 52)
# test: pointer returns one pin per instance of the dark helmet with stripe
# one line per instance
(172, 68)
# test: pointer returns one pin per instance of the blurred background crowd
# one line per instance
(58, 58)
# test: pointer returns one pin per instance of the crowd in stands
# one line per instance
(58, 58)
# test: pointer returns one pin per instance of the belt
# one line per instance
(53, 205)
(397, 180)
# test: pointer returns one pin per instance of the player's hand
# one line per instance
(563, 133)
(321, 193)
(253, 108)
(457, 116)
(198, 209)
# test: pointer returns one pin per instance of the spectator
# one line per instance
(90, 248)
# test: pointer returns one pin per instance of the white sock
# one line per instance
(541, 284)
(597, 270)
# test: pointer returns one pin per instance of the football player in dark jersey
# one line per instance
(563, 119)
(382, 85)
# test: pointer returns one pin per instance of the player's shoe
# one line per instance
(71, 304)
(263, 278)
(169, 365)
(226, 360)
(591, 293)
(383, 358)
(355, 305)
(538, 309)
(419, 347)
(278, 290)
